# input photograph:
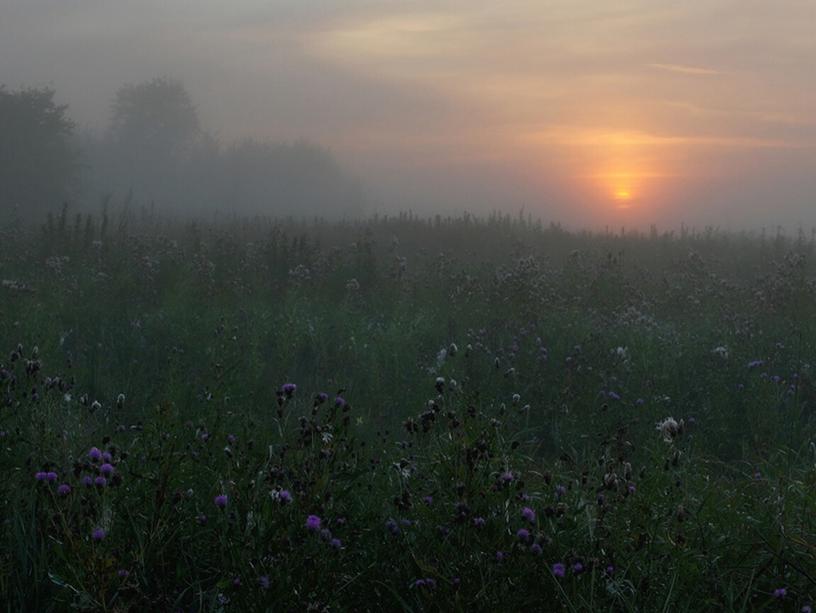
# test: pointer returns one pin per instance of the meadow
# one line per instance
(404, 414)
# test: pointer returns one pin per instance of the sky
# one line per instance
(586, 112)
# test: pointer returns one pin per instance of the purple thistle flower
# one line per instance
(51, 476)
(536, 549)
(523, 535)
(340, 402)
(313, 523)
(87, 481)
(528, 514)
(322, 397)
(107, 457)
(64, 489)
(577, 568)
(221, 501)
(40, 475)
(106, 469)
(100, 481)
(500, 556)
(98, 534)
(392, 526)
(780, 592)
(289, 389)
(94, 454)
(285, 496)
(336, 543)
(507, 476)
(559, 570)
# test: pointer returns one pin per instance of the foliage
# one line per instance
(405, 414)
(38, 160)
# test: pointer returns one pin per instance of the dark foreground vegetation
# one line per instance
(403, 414)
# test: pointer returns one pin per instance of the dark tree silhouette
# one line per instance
(38, 159)
(155, 118)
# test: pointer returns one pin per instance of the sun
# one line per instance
(623, 194)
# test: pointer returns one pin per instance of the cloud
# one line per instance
(687, 70)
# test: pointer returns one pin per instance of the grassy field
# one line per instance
(405, 414)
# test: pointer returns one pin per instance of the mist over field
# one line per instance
(356, 305)
(591, 115)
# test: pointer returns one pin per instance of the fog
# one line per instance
(625, 113)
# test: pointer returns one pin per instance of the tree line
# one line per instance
(156, 152)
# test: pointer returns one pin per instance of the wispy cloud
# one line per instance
(687, 70)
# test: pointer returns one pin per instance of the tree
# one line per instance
(38, 159)
(153, 133)
(156, 117)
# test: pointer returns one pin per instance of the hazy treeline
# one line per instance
(156, 152)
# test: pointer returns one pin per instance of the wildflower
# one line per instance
(535, 548)
(507, 477)
(100, 481)
(64, 489)
(577, 568)
(221, 501)
(528, 514)
(51, 476)
(669, 428)
(98, 534)
(428, 500)
(392, 526)
(285, 497)
(500, 555)
(780, 593)
(107, 457)
(94, 454)
(322, 397)
(559, 570)
(87, 481)
(40, 475)
(523, 535)
(122, 573)
(340, 402)
(313, 523)
(336, 543)
(289, 389)
(106, 469)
